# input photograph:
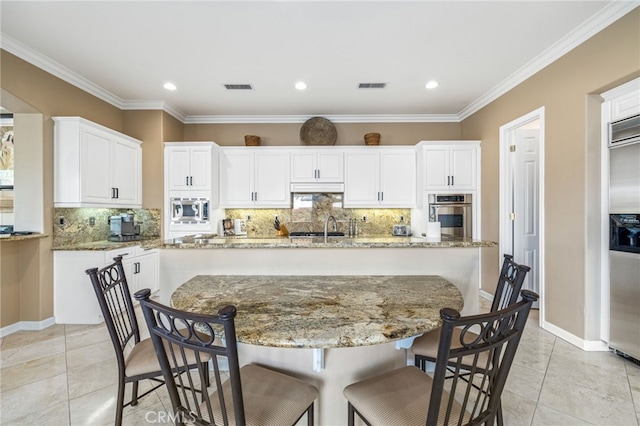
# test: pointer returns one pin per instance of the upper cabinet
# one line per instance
(450, 165)
(189, 166)
(380, 177)
(254, 177)
(317, 165)
(95, 166)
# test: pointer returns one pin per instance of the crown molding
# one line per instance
(607, 16)
(155, 105)
(372, 118)
(52, 67)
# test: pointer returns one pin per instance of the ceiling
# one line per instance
(123, 52)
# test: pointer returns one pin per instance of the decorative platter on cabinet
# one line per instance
(318, 131)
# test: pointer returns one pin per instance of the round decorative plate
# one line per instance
(318, 131)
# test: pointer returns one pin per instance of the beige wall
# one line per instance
(563, 88)
(348, 133)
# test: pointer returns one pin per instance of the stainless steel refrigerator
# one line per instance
(624, 240)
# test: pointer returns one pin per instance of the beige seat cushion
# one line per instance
(270, 398)
(427, 345)
(397, 398)
(142, 359)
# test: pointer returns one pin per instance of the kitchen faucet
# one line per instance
(326, 226)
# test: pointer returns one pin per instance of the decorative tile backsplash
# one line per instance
(310, 211)
(84, 225)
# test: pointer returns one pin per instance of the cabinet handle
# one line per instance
(448, 180)
(452, 184)
(382, 196)
(117, 193)
(191, 180)
(186, 180)
(318, 174)
(256, 196)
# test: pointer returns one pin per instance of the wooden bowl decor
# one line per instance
(318, 131)
(372, 139)
(252, 140)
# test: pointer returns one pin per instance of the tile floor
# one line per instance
(65, 375)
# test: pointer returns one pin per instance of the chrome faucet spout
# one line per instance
(326, 226)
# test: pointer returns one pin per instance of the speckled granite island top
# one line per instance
(318, 242)
(322, 311)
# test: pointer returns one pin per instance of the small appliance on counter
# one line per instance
(401, 229)
(123, 228)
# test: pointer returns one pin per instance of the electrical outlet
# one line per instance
(401, 218)
(364, 218)
(61, 220)
(248, 217)
(92, 221)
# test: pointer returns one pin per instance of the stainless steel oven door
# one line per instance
(455, 219)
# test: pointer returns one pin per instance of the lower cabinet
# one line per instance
(75, 302)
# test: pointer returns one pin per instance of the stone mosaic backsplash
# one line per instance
(310, 211)
(78, 228)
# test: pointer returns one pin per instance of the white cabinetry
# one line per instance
(95, 166)
(380, 177)
(189, 166)
(254, 177)
(450, 165)
(317, 165)
(75, 302)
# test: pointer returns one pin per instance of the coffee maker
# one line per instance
(123, 228)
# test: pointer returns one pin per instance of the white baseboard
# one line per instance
(486, 295)
(27, 325)
(585, 345)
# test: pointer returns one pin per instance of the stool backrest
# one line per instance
(510, 282)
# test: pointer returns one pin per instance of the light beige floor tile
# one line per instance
(605, 360)
(20, 402)
(90, 354)
(545, 416)
(525, 382)
(633, 374)
(86, 336)
(32, 351)
(596, 406)
(583, 374)
(23, 338)
(55, 415)
(516, 409)
(91, 377)
(32, 371)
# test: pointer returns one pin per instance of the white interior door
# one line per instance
(524, 157)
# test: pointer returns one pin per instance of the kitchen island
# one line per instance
(346, 327)
(456, 260)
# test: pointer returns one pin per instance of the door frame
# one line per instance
(507, 134)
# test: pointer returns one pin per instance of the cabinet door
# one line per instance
(146, 268)
(178, 168)
(303, 166)
(436, 168)
(236, 178)
(398, 179)
(126, 172)
(330, 167)
(362, 179)
(96, 166)
(272, 179)
(463, 168)
(200, 168)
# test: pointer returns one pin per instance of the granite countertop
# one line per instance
(22, 237)
(322, 311)
(211, 241)
(206, 242)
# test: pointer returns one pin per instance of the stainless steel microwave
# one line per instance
(189, 210)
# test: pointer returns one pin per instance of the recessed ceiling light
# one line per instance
(301, 85)
(431, 85)
(170, 86)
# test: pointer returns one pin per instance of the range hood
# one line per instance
(317, 187)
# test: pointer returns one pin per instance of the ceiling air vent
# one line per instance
(238, 87)
(372, 85)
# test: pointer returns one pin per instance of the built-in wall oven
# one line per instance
(453, 211)
(624, 237)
